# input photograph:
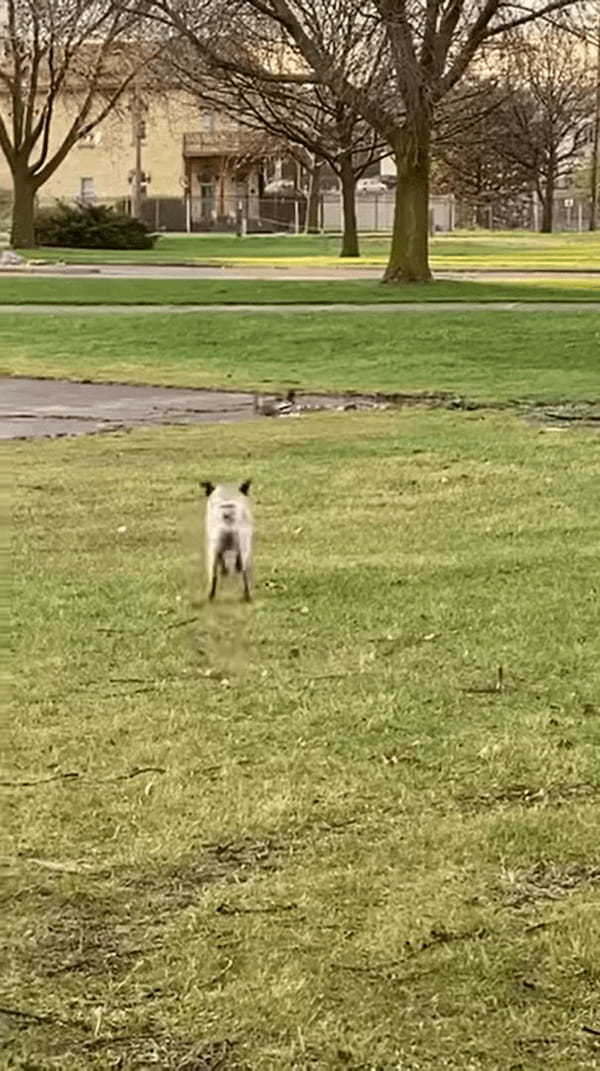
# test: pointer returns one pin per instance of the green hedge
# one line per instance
(87, 226)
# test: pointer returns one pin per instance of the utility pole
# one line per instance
(594, 176)
(138, 137)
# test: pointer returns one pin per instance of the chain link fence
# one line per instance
(375, 213)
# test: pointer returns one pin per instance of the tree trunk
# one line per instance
(548, 205)
(22, 233)
(409, 253)
(314, 201)
(350, 235)
(547, 213)
(595, 161)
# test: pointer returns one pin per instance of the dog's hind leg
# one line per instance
(244, 562)
(246, 581)
(212, 561)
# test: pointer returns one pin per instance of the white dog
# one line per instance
(229, 531)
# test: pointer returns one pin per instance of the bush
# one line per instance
(6, 200)
(87, 226)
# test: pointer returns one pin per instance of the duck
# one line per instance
(275, 406)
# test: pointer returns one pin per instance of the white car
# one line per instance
(373, 184)
(285, 186)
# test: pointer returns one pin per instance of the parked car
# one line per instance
(372, 184)
(280, 188)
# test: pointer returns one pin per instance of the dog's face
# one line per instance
(210, 487)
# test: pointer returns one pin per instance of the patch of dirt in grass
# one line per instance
(564, 414)
(169, 1054)
(556, 795)
(62, 1044)
(104, 932)
(97, 937)
(178, 887)
(90, 935)
(546, 881)
(568, 414)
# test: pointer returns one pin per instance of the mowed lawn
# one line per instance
(324, 831)
(102, 291)
(497, 355)
(461, 250)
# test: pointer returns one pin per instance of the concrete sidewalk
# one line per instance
(39, 408)
(46, 408)
(292, 310)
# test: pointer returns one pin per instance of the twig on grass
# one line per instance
(126, 680)
(587, 1030)
(221, 974)
(17, 1013)
(381, 972)
(128, 691)
(492, 689)
(134, 632)
(360, 968)
(40, 781)
(127, 777)
(77, 964)
(63, 868)
(49, 1020)
(226, 909)
(331, 676)
(186, 621)
(90, 780)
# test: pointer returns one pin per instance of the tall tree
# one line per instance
(468, 161)
(595, 154)
(240, 61)
(60, 57)
(317, 126)
(545, 118)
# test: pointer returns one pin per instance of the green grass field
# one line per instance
(102, 291)
(320, 832)
(487, 355)
(460, 250)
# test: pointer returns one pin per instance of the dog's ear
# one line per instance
(245, 486)
(208, 487)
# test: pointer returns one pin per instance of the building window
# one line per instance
(87, 190)
(207, 122)
(89, 140)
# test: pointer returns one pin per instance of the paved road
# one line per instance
(283, 273)
(291, 310)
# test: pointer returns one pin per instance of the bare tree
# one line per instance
(594, 162)
(468, 159)
(324, 129)
(240, 61)
(317, 127)
(401, 60)
(543, 123)
(59, 56)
